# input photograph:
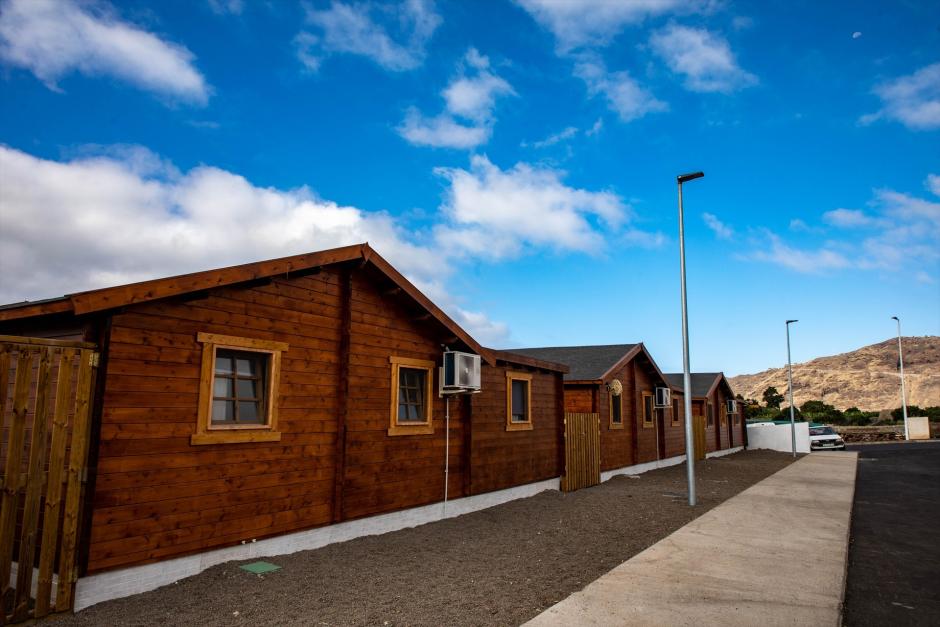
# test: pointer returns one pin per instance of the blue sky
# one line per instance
(517, 160)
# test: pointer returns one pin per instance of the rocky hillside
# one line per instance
(865, 378)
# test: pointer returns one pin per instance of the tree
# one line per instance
(772, 398)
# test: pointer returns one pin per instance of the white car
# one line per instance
(824, 438)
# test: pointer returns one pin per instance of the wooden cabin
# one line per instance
(633, 429)
(270, 399)
(715, 426)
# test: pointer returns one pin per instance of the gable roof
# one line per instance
(589, 364)
(113, 297)
(703, 383)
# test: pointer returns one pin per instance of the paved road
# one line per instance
(894, 555)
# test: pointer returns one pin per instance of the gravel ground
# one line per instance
(499, 566)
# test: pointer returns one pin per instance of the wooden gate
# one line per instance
(582, 451)
(45, 396)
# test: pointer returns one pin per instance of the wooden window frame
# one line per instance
(208, 433)
(724, 415)
(610, 409)
(649, 422)
(676, 405)
(709, 414)
(412, 427)
(519, 426)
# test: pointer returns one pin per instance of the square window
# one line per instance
(411, 396)
(238, 395)
(238, 390)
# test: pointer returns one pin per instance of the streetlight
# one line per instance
(790, 389)
(686, 374)
(901, 368)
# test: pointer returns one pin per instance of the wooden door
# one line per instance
(698, 432)
(661, 433)
(582, 451)
(45, 429)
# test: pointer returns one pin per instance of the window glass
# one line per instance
(675, 410)
(411, 401)
(648, 409)
(520, 397)
(616, 409)
(238, 387)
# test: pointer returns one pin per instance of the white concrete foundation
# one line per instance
(638, 469)
(136, 579)
(724, 451)
(777, 437)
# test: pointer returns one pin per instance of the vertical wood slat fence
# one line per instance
(582, 451)
(45, 400)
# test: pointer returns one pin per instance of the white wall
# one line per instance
(777, 437)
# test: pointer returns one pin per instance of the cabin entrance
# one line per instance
(45, 396)
(582, 451)
(698, 433)
(661, 433)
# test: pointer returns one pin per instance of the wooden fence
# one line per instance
(582, 451)
(45, 397)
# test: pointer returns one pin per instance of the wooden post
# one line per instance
(73, 494)
(12, 471)
(34, 477)
(50, 527)
(342, 414)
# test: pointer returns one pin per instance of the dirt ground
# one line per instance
(499, 566)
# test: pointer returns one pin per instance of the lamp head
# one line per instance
(895, 318)
(789, 321)
(684, 178)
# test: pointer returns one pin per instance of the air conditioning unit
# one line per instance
(732, 406)
(663, 397)
(461, 372)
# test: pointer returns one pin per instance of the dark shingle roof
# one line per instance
(587, 363)
(702, 382)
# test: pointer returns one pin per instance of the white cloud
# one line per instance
(577, 23)
(933, 184)
(704, 58)
(901, 232)
(351, 29)
(496, 213)
(775, 250)
(624, 95)
(597, 127)
(848, 218)
(467, 120)
(555, 138)
(721, 230)
(442, 131)
(55, 38)
(233, 7)
(116, 214)
(912, 100)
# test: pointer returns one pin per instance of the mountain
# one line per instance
(866, 378)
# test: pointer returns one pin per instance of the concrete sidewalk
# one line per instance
(773, 555)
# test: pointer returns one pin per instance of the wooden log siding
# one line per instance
(157, 496)
(618, 445)
(502, 459)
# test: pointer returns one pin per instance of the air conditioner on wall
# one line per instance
(732, 406)
(461, 372)
(663, 397)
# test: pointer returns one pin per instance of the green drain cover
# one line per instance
(259, 568)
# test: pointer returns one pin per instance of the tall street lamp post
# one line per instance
(686, 373)
(790, 389)
(901, 368)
